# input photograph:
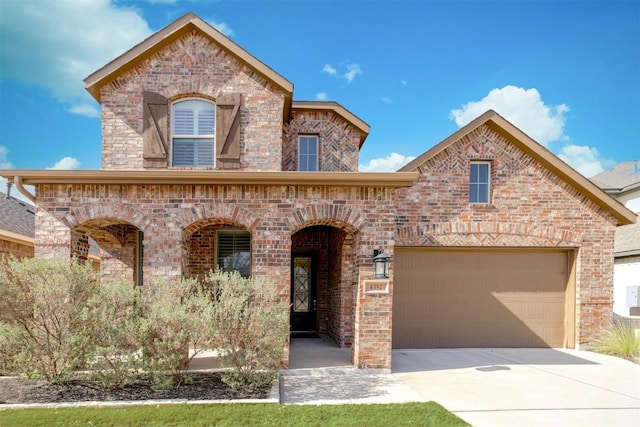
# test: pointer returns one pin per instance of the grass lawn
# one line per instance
(237, 414)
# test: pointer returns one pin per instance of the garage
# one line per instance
(483, 297)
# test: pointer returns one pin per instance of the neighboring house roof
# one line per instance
(627, 240)
(622, 178)
(17, 218)
(537, 152)
(339, 110)
(167, 35)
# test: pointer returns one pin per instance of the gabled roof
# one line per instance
(537, 152)
(623, 177)
(339, 110)
(167, 35)
(16, 216)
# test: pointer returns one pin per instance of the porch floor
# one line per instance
(314, 353)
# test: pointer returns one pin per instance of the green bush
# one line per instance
(619, 339)
(42, 310)
(251, 322)
(174, 319)
(113, 318)
(55, 317)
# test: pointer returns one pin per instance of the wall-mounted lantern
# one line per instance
(381, 262)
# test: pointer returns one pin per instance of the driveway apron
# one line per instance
(485, 387)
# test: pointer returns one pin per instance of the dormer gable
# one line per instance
(187, 23)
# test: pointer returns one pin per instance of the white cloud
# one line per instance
(391, 163)
(66, 163)
(321, 96)
(88, 110)
(56, 44)
(350, 71)
(387, 100)
(404, 82)
(329, 69)
(522, 107)
(4, 158)
(585, 160)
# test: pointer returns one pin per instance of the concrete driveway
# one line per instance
(524, 387)
(485, 387)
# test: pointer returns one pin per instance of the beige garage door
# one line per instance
(488, 297)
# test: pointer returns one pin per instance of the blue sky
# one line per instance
(565, 72)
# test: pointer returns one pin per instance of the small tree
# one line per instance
(42, 309)
(251, 324)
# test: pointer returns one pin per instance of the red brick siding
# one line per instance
(338, 141)
(192, 66)
(19, 250)
(529, 207)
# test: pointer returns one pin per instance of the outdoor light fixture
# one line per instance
(381, 262)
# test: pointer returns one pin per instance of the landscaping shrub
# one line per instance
(42, 310)
(251, 320)
(174, 320)
(113, 318)
(619, 339)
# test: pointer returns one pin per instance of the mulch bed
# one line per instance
(196, 386)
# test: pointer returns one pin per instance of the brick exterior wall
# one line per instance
(339, 142)
(19, 250)
(192, 66)
(169, 215)
(529, 207)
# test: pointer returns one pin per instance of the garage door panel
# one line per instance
(479, 298)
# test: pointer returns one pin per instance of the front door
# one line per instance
(303, 296)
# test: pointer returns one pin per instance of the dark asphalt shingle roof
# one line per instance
(16, 216)
(20, 217)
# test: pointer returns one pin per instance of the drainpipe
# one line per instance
(17, 180)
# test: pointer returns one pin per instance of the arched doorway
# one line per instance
(323, 282)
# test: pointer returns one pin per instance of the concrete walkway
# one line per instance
(485, 387)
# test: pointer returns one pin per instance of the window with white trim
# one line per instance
(308, 153)
(479, 181)
(193, 124)
(234, 251)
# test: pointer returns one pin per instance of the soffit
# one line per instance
(206, 177)
(537, 152)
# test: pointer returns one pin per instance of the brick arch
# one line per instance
(486, 234)
(195, 226)
(104, 230)
(345, 218)
(216, 213)
(114, 212)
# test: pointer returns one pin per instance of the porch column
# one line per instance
(372, 334)
(52, 237)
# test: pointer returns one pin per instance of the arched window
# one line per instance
(193, 124)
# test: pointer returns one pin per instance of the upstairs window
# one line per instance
(479, 182)
(193, 123)
(308, 153)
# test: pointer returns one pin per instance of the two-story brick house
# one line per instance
(208, 161)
